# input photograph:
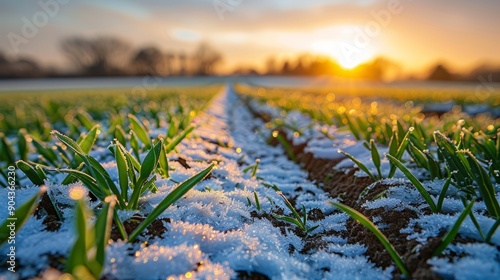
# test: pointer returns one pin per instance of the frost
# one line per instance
(212, 231)
(480, 262)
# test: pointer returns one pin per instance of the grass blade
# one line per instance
(171, 198)
(370, 226)
(138, 127)
(360, 165)
(257, 203)
(286, 146)
(148, 166)
(30, 172)
(290, 206)
(485, 186)
(22, 144)
(78, 255)
(296, 222)
(102, 231)
(492, 231)
(171, 145)
(20, 215)
(403, 142)
(450, 235)
(415, 182)
(163, 162)
(121, 164)
(120, 135)
(88, 181)
(7, 150)
(375, 157)
(68, 142)
(45, 151)
(442, 194)
(88, 141)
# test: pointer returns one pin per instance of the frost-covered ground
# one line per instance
(470, 260)
(216, 230)
(212, 232)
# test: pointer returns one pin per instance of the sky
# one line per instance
(416, 34)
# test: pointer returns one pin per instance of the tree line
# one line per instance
(110, 56)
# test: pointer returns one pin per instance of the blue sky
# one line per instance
(462, 33)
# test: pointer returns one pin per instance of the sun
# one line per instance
(348, 63)
(347, 60)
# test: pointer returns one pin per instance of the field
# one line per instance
(249, 182)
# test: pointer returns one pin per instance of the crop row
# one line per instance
(454, 151)
(57, 137)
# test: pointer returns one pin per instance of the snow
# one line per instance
(481, 262)
(214, 232)
(211, 233)
(403, 195)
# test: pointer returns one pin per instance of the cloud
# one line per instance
(461, 29)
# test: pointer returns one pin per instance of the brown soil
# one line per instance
(244, 275)
(345, 185)
(183, 162)
(155, 229)
(46, 209)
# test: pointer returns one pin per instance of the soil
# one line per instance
(46, 209)
(345, 185)
(155, 229)
(244, 275)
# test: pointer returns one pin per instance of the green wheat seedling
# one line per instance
(252, 168)
(466, 169)
(34, 171)
(99, 182)
(360, 165)
(397, 147)
(130, 172)
(8, 154)
(174, 141)
(20, 216)
(489, 148)
(373, 228)
(423, 158)
(140, 130)
(418, 185)
(256, 199)
(282, 140)
(171, 198)
(453, 231)
(296, 219)
(396, 150)
(87, 257)
(483, 181)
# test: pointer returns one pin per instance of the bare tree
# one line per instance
(183, 66)
(205, 59)
(99, 56)
(169, 61)
(148, 60)
(440, 73)
(271, 67)
(3, 58)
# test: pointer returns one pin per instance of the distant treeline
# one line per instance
(109, 56)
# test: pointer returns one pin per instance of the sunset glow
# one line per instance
(414, 34)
